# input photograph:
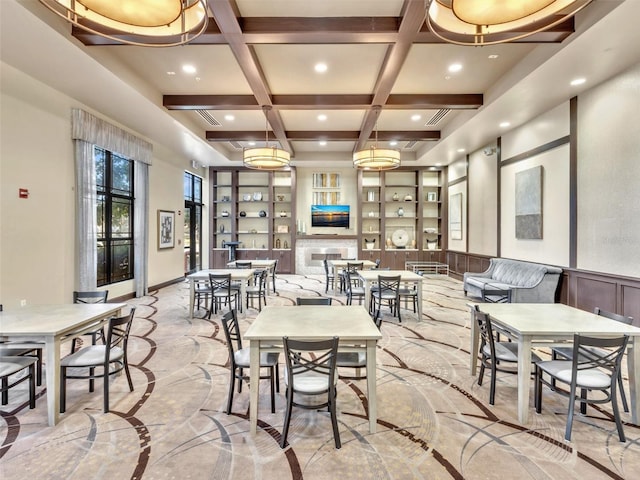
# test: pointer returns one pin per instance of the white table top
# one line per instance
(405, 275)
(553, 319)
(351, 322)
(254, 263)
(236, 273)
(343, 263)
(52, 319)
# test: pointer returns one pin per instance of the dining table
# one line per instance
(549, 325)
(341, 264)
(49, 326)
(242, 275)
(269, 265)
(352, 324)
(407, 277)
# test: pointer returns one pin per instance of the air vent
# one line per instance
(410, 144)
(235, 144)
(437, 117)
(209, 118)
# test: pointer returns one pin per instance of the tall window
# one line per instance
(114, 216)
(192, 222)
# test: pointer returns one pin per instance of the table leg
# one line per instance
(633, 369)
(371, 385)
(474, 346)
(243, 296)
(419, 287)
(52, 373)
(367, 293)
(192, 295)
(524, 378)
(336, 279)
(254, 373)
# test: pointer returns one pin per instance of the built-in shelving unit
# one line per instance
(401, 216)
(254, 208)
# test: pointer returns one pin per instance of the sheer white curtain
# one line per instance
(87, 131)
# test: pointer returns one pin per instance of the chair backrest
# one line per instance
(260, 279)
(232, 334)
(313, 301)
(220, 282)
(496, 295)
(118, 333)
(90, 297)
(606, 356)
(351, 280)
(486, 331)
(325, 263)
(354, 266)
(243, 264)
(388, 285)
(613, 316)
(322, 360)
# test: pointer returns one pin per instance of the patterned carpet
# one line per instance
(434, 421)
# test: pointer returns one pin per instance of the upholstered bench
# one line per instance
(528, 282)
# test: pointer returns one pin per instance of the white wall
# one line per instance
(609, 176)
(483, 204)
(37, 235)
(348, 196)
(553, 248)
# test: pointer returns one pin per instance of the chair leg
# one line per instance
(616, 413)
(492, 389)
(39, 368)
(572, 406)
(277, 378)
(623, 396)
(5, 390)
(92, 382)
(232, 382)
(334, 420)
(32, 386)
(273, 392)
(583, 405)
(481, 373)
(127, 373)
(105, 387)
(63, 389)
(240, 377)
(287, 418)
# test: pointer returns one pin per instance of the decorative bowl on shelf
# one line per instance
(243, 213)
(430, 230)
(257, 196)
(224, 213)
(262, 213)
(408, 198)
(369, 243)
(246, 197)
(281, 198)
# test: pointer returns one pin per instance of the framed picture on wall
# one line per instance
(166, 229)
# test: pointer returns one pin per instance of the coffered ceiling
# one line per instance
(259, 53)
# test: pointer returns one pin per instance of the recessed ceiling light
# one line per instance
(416, 117)
(320, 67)
(578, 81)
(438, 164)
(322, 117)
(251, 144)
(322, 143)
(504, 124)
(455, 67)
(188, 69)
(229, 118)
(171, 73)
(461, 150)
(393, 143)
(197, 79)
(493, 56)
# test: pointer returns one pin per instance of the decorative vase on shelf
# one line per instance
(221, 228)
(286, 244)
(401, 212)
(369, 243)
(283, 213)
(395, 197)
(277, 243)
(371, 196)
(389, 243)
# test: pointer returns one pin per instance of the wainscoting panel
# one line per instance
(584, 290)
